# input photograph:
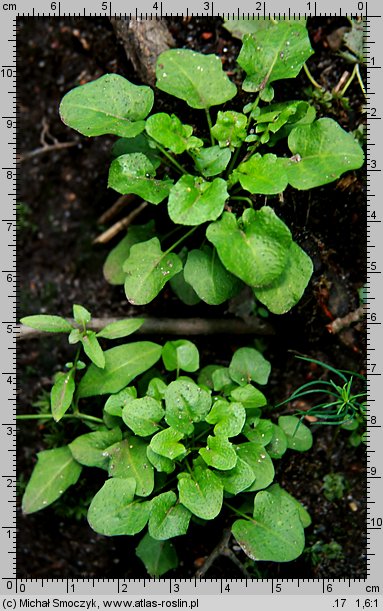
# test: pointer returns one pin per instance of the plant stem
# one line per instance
(311, 78)
(173, 161)
(243, 515)
(210, 124)
(233, 161)
(242, 199)
(180, 240)
(77, 416)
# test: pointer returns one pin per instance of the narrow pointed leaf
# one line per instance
(121, 328)
(122, 365)
(62, 394)
(54, 472)
(93, 349)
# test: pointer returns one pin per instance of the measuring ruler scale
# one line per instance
(188, 593)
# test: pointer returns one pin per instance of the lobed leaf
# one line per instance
(108, 105)
(171, 133)
(147, 271)
(196, 78)
(45, 322)
(53, 473)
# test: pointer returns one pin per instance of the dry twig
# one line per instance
(46, 146)
(222, 549)
(115, 229)
(118, 205)
(345, 321)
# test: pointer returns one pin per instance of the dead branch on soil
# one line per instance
(222, 549)
(124, 223)
(346, 321)
(116, 208)
(170, 326)
(48, 144)
(143, 41)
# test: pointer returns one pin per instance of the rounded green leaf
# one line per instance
(121, 328)
(89, 449)
(138, 144)
(193, 200)
(143, 415)
(263, 174)
(285, 292)
(208, 277)
(113, 266)
(159, 557)
(238, 27)
(238, 479)
(212, 161)
(248, 365)
(322, 152)
(156, 389)
(255, 455)
(219, 453)
(261, 432)
(222, 380)
(274, 53)
(108, 105)
(230, 129)
(228, 418)
(62, 394)
(45, 322)
(115, 403)
(165, 443)
(278, 443)
(171, 133)
(180, 354)
(181, 288)
(196, 78)
(147, 271)
(122, 365)
(160, 463)
(249, 396)
(54, 472)
(113, 510)
(275, 534)
(135, 173)
(304, 515)
(298, 435)
(201, 492)
(256, 250)
(168, 518)
(128, 459)
(186, 403)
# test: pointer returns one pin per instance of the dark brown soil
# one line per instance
(63, 194)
